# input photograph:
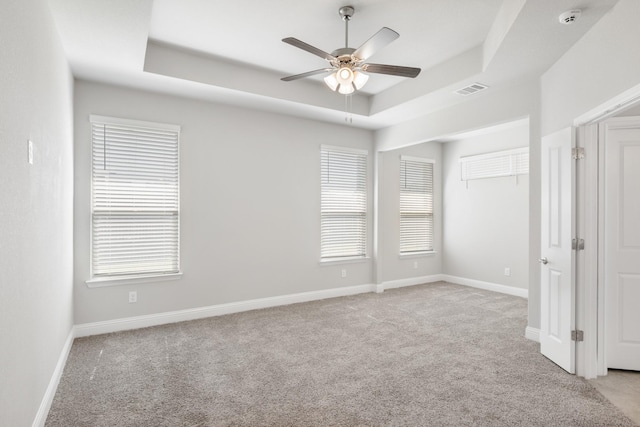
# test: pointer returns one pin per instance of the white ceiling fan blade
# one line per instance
(375, 43)
(311, 49)
(393, 70)
(307, 74)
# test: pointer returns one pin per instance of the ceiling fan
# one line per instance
(347, 65)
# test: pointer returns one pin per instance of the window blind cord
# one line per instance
(104, 147)
(404, 164)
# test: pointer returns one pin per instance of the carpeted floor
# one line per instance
(429, 355)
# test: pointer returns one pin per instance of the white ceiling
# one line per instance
(231, 52)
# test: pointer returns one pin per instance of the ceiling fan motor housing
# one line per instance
(344, 57)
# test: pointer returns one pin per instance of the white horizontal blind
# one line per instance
(497, 164)
(135, 199)
(416, 205)
(343, 203)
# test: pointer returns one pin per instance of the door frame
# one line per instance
(590, 304)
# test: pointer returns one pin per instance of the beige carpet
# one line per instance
(429, 355)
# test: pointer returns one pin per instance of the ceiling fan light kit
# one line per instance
(346, 81)
(347, 65)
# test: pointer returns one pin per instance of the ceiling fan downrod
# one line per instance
(346, 12)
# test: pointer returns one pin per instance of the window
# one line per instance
(343, 203)
(491, 165)
(135, 208)
(416, 205)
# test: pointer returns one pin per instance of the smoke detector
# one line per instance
(570, 16)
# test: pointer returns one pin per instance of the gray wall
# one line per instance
(602, 65)
(250, 200)
(36, 216)
(486, 224)
(250, 207)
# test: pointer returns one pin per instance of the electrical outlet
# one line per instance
(415, 264)
(133, 296)
(344, 273)
(507, 271)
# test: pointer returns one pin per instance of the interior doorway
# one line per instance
(608, 204)
(619, 150)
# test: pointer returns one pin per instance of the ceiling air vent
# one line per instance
(472, 88)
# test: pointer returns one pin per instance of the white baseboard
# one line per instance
(532, 333)
(108, 326)
(509, 290)
(412, 281)
(49, 394)
(96, 328)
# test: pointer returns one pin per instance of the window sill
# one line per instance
(128, 280)
(333, 261)
(417, 254)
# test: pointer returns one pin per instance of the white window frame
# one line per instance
(411, 208)
(354, 203)
(172, 272)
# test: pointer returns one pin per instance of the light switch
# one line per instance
(30, 151)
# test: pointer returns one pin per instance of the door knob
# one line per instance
(543, 260)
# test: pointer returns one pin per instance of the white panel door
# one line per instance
(557, 287)
(622, 245)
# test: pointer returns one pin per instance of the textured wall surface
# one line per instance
(36, 212)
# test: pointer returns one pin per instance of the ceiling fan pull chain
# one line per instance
(348, 104)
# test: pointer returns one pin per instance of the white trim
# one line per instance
(345, 260)
(100, 282)
(325, 147)
(614, 123)
(421, 254)
(49, 394)
(601, 355)
(416, 159)
(495, 287)
(94, 118)
(609, 108)
(411, 281)
(532, 334)
(587, 271)
(96, 328)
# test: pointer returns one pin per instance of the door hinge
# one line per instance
(577, 335)
(577, 244)
(577, 153)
